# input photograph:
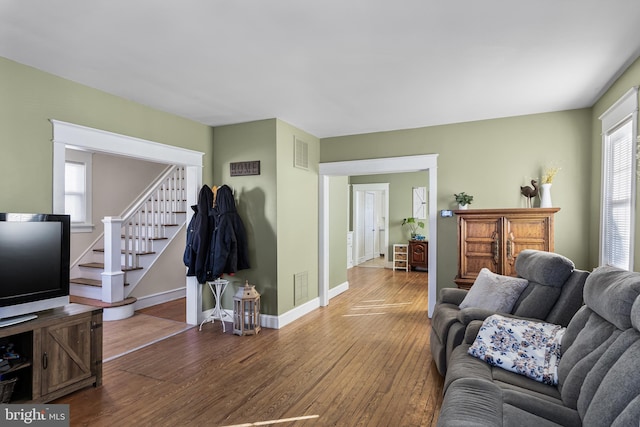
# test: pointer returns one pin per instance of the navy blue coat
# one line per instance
(229, 250)
(199, 232)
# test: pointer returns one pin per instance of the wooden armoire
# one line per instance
(493, 238)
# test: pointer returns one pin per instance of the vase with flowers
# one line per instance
(548, 174)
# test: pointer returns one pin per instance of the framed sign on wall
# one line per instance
(245, 168)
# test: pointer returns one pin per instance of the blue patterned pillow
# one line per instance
(521, 346)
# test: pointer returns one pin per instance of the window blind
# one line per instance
(617, 198)
(617, 205)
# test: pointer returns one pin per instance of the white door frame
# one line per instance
(428, 162)
(384, 189)
(96, 140)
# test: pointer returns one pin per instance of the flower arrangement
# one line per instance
(549, 173)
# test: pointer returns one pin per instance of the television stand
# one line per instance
(8, 321)
(59, 352)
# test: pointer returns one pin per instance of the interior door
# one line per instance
(369, 224)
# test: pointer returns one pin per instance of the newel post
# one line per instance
(113, 276)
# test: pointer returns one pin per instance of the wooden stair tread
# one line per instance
(135, 224)
(152, 238)
(101, 265)
(88, 282)
(97, 303)
(84, 281)
(101, 250)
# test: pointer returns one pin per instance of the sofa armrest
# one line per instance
(472, 330)
(467, 315)
(452, 295)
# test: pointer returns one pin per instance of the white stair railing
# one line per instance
(144, 222)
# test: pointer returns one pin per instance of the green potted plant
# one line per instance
(413, 224)
(463, 199)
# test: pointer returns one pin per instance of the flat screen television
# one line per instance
(34, 264)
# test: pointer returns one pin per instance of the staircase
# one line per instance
(106, 274)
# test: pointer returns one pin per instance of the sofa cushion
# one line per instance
(570, 299)
(597, 379)
(546, 268)
(611, 292)
(547, 272)
(536, 301)
(617, 394)
(577, 360)
(461, 365)
(522, 346)
(477, 403)
(494, 292)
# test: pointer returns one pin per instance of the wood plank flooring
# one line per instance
(126, 335)
(362, 361)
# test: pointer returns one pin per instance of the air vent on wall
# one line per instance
(301, 154)
(300, 287)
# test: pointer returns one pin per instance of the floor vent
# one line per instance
(301, 154)
(300, 287)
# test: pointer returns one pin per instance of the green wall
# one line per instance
(29, 98)
(630, 78)
(400, 202)
(297, 223)
(490, 160)
(279, 208)
(256, 202)
(339, 220)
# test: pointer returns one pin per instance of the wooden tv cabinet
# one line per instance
(60, 352)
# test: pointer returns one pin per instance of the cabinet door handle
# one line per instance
(45, 361)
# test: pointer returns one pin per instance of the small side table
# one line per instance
(217, 287)
(401, 256)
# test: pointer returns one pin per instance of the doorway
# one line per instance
(95, 140)
(427, 162)
(370, 221)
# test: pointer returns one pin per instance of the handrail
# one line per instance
(147, 194)
(145, 220)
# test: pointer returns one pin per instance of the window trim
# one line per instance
(622, 110)
(85, 158)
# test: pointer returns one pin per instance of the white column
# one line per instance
(113, 276)
(193, 184)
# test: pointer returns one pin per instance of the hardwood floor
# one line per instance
(362, 361)
(172, 310)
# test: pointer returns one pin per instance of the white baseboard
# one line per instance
(277, 322)
(337, 290)
(159, 298)
(266, 320)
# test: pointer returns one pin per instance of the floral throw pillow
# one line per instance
(521, 346)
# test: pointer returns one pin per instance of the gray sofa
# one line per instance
(598, 372)
(554, 294)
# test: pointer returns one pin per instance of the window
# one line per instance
(619, 125)
(77, 190)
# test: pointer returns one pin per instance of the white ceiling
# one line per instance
(332, 67)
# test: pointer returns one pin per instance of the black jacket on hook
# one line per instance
(199, 232)
(229, 249)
